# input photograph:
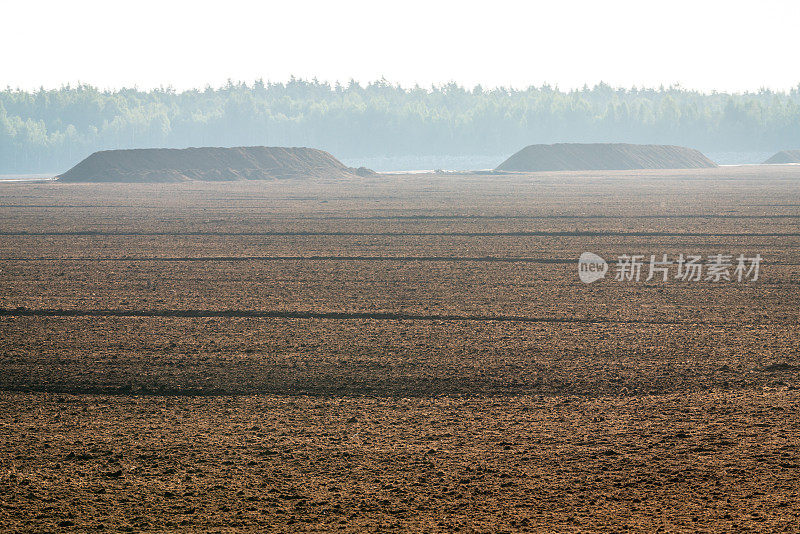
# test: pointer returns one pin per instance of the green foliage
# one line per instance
(50, 130)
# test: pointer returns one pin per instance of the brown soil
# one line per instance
(210, 163)
(786, 156)
(603, 156)
(412, 353)
(714, 462)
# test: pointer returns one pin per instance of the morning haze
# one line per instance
(423, 267)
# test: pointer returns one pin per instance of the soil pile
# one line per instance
(240, 163)
(604, 156)
(785, 156)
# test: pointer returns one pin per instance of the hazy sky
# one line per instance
(723, 45)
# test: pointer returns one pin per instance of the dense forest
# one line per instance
(50, 130)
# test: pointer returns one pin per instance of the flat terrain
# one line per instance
(399, 353)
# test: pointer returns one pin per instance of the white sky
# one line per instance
(706, 45)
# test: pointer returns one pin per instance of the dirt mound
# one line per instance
(210, 163)
(785, 156)
(603, 156)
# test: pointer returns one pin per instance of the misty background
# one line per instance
(385, 126)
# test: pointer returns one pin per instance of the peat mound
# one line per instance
(209, 164)
(785, 156)
(604, 156)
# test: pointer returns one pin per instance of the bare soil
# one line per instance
(713, 461)
(785, 156)
(207, 163)
(401, 353)
(604, 156)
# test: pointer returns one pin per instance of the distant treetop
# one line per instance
(51, 130)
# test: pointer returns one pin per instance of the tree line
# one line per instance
(51, 130)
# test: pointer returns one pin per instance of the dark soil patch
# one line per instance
(785, 156)
(604, 156)
(209, 164)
